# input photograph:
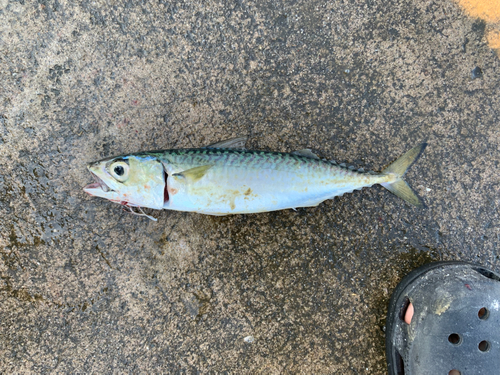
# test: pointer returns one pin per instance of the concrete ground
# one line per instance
(88, 288)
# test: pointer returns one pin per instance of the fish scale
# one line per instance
(224, 180)
(244, 158)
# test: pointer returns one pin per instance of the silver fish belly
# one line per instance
(239, 181)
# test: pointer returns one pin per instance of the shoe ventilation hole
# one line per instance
(400, 364)
(483, 313)
(404, 307)
(488, 274)
(455, 339)
(454, 372)
(484, 346)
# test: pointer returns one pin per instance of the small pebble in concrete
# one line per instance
(249, 339)
(477, 72)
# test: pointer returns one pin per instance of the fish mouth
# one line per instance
(98, 184)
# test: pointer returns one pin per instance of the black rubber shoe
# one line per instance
(455, 328)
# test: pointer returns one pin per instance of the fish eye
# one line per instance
(119, 170)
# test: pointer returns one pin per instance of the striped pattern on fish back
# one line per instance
(249, 159)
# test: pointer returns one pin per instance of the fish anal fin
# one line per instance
(307, 153)
(238, 142)
(193, 174)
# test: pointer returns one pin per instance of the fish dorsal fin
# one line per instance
(307, 153)
(193, 174)
(238, 142)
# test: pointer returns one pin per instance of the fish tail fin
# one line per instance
(399, 187)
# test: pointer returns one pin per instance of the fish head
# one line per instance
(133, 180)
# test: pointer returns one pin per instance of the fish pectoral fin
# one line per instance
(238, 142)
(307, 153)
(193, 174)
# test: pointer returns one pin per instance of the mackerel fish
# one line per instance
(225, 178)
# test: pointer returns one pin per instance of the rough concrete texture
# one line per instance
(88, 288)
